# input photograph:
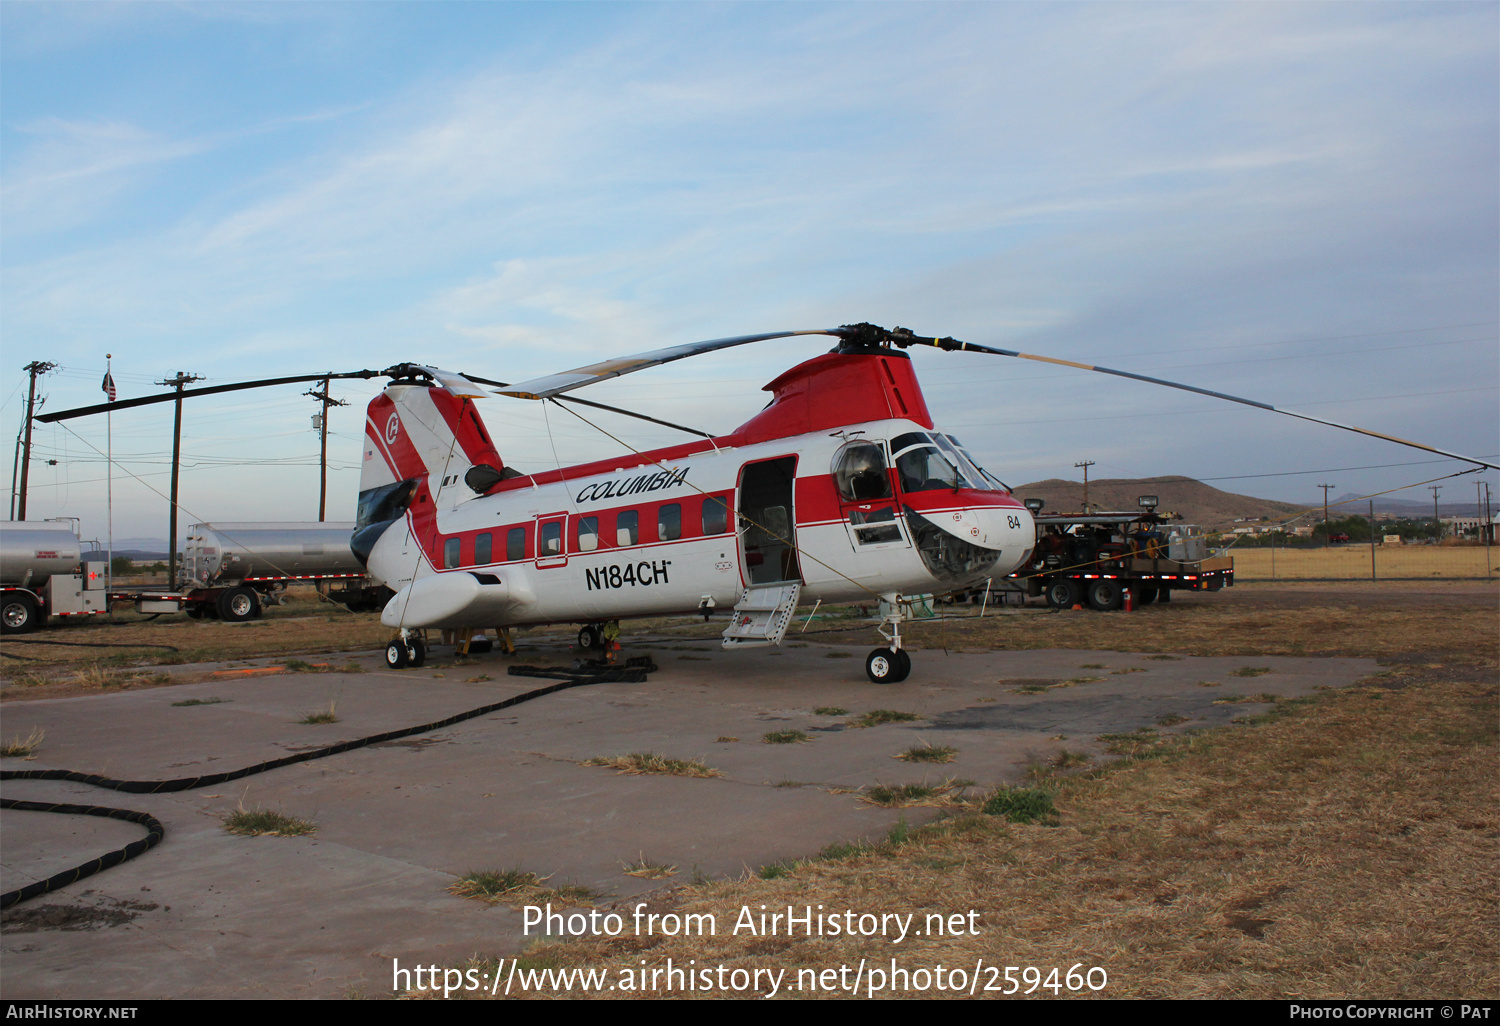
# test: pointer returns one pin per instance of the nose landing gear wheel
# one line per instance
(416, 652)
(396, 655)
(884, 666)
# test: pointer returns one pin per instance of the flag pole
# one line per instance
(109, 487)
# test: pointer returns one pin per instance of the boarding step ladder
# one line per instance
(763, 614)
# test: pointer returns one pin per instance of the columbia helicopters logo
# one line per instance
(631, 485)
(392, 428)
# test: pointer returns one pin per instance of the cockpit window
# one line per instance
(859, 471)
(981, 474)
(925, 468)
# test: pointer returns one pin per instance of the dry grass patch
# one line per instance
(875, 717)
(648, 869)
(329, 715)
(518, 887)
(928, 753)
(650, 762)
(784, 737)
(23, 748)
(258, 822)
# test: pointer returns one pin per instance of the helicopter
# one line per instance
(842, 488)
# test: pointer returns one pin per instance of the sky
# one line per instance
(1295, 203)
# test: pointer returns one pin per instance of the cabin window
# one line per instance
(515, 543)
(859, 471)
(588, 534)
(669, 521)
(627, 527)
(715, 514)
(550, 539)
(484, 549)
(451, 552)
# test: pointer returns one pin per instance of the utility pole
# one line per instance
(1326, 490)
(36, 369)
(322, 421)
(179, 382)
(1086, 464)
(1437, 525)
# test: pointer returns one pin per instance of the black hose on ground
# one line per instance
(633, 672)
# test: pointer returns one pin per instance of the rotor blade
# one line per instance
(555, 384)
(459, 384)
(188, 393)
(952, 344)
(602, 406)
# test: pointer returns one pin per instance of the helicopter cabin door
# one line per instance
(768, 533)
(551, 540)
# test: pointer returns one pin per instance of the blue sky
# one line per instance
(1291, 202)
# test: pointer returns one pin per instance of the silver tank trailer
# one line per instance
(33, 550)
(225, 553)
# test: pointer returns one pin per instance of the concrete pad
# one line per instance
(209, 914)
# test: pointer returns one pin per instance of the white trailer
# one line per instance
(42, 574)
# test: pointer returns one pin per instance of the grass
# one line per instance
(199, 701)
(646, 869)
(1170, 720)
(784, 737)
(1250, 671)
(518, 887)
(1067, 759)
(650, 762)
(725, 739)
(928, 753)
(23, 748)
(904, 795)
(875, 717)
(257, 822)
(1020, 805)
(830, 710)
(329, 715)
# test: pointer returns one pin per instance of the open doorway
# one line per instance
(768, 541)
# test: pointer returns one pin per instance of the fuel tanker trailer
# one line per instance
(42, 574)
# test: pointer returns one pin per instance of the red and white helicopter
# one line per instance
(841, 489)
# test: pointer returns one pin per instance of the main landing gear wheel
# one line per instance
(18, 614)
(887, 666)
(238, 605)
(1105, 595)
(590, 637)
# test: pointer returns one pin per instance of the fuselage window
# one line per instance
(515, 543)
(883, 527)
(451, 550)
(715, 514)
(627, 527)
(551, 539)
(588, 534)
(483, 548)
(669, 521)
(859, 471)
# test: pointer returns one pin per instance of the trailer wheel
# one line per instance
(1145, 596)
(1061, 594)
(18, 614)
(1105, 595)
(238, 605)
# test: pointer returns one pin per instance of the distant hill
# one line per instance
(1197, 502)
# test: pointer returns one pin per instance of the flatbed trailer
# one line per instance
(1107, 559)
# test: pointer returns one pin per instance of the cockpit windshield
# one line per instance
(991, 481)
(925, 467)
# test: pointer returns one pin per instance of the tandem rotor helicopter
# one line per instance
(842, 488)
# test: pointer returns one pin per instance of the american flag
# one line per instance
(109, 386)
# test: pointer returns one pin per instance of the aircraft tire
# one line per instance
(18, 615)
(884, 666)
(590, 637)
(416, 652)
(397, 655)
